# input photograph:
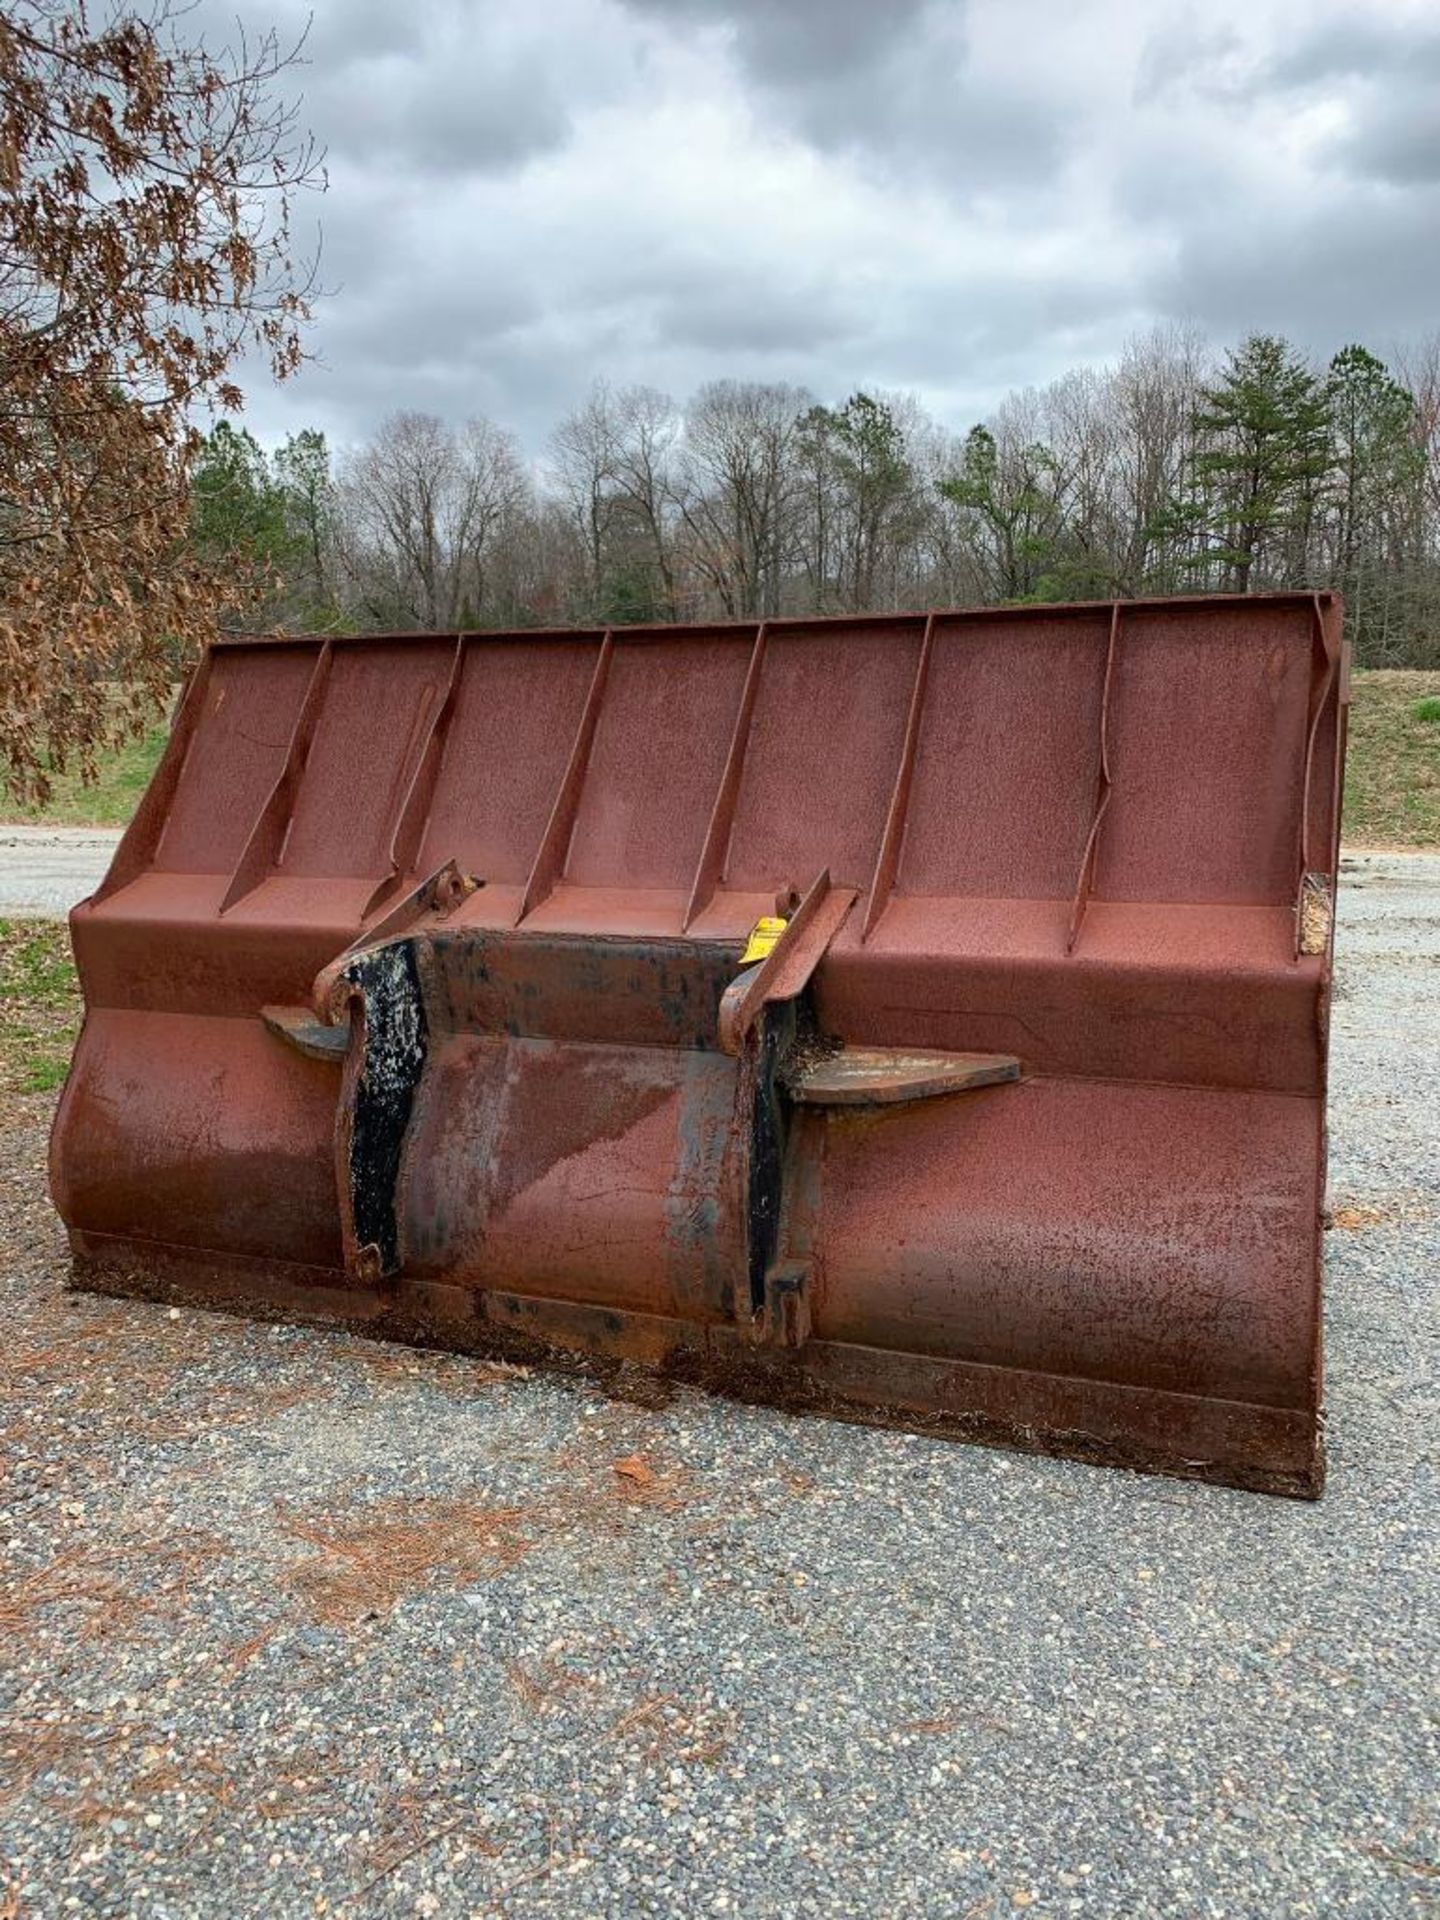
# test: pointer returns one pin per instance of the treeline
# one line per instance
(1171, 472)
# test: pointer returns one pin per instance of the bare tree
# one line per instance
(493, 489)
(736, 490)
(584, 457)
(613, 461)
(424, 507)
(1154, 392)
(648, 429)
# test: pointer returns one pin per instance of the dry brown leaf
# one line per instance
(634, 1469)
(1351, 1219)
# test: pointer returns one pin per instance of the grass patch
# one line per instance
(111, 798)
(39, 1005)
(1392, 773)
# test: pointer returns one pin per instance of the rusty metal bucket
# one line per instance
(918, 1018)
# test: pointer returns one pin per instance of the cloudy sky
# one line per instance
(948, 196)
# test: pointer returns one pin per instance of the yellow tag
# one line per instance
(763, 935)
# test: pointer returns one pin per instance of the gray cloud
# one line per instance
(1385, 74)
(804, 42)
(1364, 270)
(1401, 144)
(453, 95)
(430, 114)
(1183, 56)
(949, 196)
(1358, 46)
(894, 82)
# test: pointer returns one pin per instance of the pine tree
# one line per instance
(860, 455)
(1263, 432)
(237, 512)
(307, 491)
(1376, 471)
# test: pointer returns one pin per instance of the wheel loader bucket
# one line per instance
(920, 1018)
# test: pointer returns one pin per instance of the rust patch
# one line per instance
(560, 1109)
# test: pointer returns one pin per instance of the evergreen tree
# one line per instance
(1263, 431)
(307, 495)
(237, 512)
(859, 456)
(1376, 452)
(1377, 469)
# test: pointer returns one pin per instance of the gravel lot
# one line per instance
(45, 870)
(295, 1625)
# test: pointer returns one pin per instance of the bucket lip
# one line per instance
(906, 618)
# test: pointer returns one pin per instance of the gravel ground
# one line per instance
(296, 1625)
(45, 870)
